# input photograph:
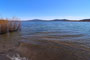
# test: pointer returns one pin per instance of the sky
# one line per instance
(45, 9)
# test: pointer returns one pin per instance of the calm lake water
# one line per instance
(56, 30)
(74, 32)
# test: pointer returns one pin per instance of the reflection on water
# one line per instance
(38, 37)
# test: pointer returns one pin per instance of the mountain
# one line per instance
(60, 20)
(36, 20)
(85, 20)
(49, 20)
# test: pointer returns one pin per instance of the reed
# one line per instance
(7, 26)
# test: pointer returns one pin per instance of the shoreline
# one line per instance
(49, 50)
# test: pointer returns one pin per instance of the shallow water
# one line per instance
(38, 33)
(63, 31)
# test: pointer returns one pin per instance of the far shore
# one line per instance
(66, 20)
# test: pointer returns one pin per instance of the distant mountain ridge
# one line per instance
(83, 20)
(87, 20)
(48, 20)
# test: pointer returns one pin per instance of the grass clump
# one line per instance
(9, 25)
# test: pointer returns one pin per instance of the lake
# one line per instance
(49, 37)
(63, 31)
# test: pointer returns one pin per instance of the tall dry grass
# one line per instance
(9, 25)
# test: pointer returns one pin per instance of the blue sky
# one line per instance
(45, 9)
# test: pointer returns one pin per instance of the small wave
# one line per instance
(16, 57)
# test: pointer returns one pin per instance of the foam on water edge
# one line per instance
(17, 57)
